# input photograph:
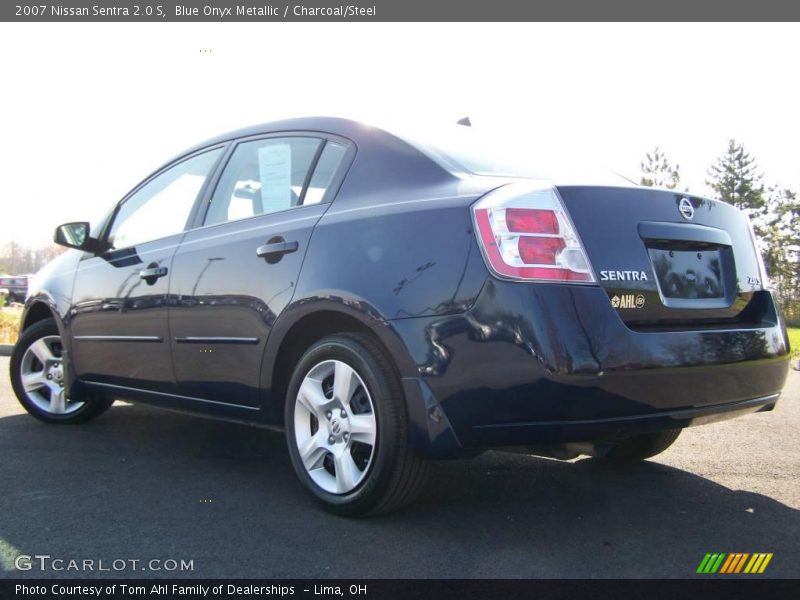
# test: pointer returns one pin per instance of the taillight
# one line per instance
(525, 233)
(531, 220)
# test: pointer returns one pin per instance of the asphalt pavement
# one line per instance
(141, 484)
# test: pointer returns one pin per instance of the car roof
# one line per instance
(382, 161)
(410, 152)
(356, 131)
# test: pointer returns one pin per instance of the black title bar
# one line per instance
(100, 11)
(709, 588)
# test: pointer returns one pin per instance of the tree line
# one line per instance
(16, 259)
(774, 212)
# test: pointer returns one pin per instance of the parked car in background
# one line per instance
(386, 301)
(16, 287)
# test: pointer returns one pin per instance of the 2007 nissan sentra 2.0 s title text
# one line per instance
(387, 301)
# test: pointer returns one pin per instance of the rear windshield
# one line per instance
(461, 149)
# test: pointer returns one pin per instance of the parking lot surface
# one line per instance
(143, 484)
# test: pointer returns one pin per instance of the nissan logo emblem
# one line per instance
(686, 209)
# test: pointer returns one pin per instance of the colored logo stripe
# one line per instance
(710, 563)
(734, 562)
(727, 564)
(758, 563)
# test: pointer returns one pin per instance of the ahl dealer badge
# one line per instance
(628, 301)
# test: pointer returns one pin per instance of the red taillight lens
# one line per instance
(531, 220)
(540, 250)
(526, 234)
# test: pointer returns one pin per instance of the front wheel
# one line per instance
(347, 431)
(37, 376)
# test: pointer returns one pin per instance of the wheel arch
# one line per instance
(43, 306)
(295, 332)
(37, 309)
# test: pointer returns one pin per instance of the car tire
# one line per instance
(640, 447)
(329, 439)
(37, 374)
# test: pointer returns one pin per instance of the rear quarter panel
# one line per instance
(405, 259)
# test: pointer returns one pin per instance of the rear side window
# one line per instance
(329, 161)
(261, 177)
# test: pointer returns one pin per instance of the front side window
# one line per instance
(161, 207)
(262, 177)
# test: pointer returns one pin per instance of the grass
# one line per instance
(794, 341)
(9, 323)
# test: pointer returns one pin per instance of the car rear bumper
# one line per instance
(542, 364)
(558, 432)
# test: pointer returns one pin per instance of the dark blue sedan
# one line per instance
(386, 301)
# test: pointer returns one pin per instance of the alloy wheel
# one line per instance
(42, 376)
(335, 428)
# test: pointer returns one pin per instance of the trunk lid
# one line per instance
(667, 258)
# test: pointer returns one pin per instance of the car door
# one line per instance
(237, 271)
(118, 321)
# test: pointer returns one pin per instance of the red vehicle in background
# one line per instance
(14, 287)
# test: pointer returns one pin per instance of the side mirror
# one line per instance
(75, 235)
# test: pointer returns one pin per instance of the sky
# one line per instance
(88, 110)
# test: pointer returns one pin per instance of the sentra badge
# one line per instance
(623, 276)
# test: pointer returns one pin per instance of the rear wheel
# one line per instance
(37, 376)
(346, 428)
(640, 447)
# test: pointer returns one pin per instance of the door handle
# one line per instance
(275, 249)
(151, 273)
